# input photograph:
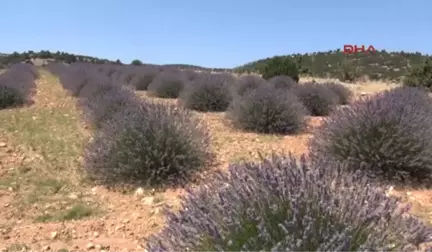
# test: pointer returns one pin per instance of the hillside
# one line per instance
(8, 59)
(381, 65)
(335, 64)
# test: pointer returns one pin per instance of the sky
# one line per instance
(208, 33)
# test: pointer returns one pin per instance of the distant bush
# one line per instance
(143, 81)
(191, 75)
(267, 110)
(167, 84)
(318, 99)
(73, 79)
(280, 66)
(389, 134)
(136, 62)
(341, 91)
(285, 205)
(10, 97)
(148, 145)
(103, 107)
(248, 83)
(96, 86)
(208, 93)
(420, 76)
(282, 82)
(144, 77)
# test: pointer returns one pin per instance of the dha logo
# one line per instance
(350, 49)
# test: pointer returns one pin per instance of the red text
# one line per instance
(350, 49)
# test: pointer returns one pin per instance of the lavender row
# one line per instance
(17, 85)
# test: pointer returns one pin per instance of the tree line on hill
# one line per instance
(69, 58)
(379, 65)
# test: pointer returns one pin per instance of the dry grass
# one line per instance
(358, 88)
(42, 187)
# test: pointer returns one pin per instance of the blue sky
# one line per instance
(212, 33)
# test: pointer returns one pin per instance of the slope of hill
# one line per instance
(335, 64)
(8, 59)
(16, 57)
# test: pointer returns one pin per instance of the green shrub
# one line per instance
(167, 84)
(318, 99)
(10, 97)
(280, 65)
(267, 110)
(150, 144)
(208, 93)
(420, 76)
(389, 134)
(136, 62)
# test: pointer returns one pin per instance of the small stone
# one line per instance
(46, 248)
(96, 234)
(148, 200)
(363, 93)
(10, 189)
(53, 235)
(98, 246)
(3, 144)
(139, 192)
(73, 196)
(155, 211)
(90, 246)
(408, 193)
(93, 190)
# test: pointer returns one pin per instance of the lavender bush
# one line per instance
(282, 82)
(208, 93)
(10, 97)
(148, 145)
(390, 133)
(341, 91)
(99, 96)
(318, 99)
(267, 110)
(167, 84)
(248, 83)
(191, 75)
(102, 107)
(17, 85)
(144, 77)
(285, 205)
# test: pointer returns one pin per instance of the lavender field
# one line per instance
(112, 157)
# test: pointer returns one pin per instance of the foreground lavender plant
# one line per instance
(285, 205)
